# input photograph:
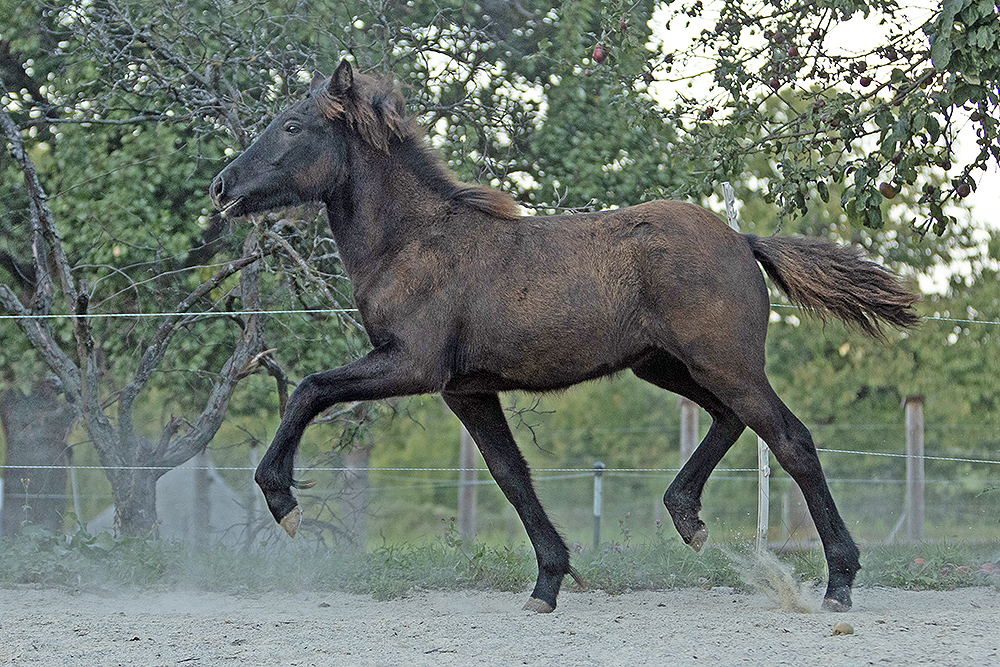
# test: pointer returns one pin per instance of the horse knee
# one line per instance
(307, 390)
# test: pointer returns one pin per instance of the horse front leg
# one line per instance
(376, 376)
(483, 417)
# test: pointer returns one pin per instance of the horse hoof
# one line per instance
(831, 604)
(540, 606)
(290, 522)
(698, 539)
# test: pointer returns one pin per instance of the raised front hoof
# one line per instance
(837, 601)
(291, 521)
(284, 508)
(540, 606)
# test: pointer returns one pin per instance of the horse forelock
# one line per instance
(375, 109)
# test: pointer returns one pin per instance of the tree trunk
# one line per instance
(36, 428)
(134, 492)
(356, 493)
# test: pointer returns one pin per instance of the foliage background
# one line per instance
(130, 109)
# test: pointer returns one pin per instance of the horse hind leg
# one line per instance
(683, 497)
(790, 441)
(794, 449)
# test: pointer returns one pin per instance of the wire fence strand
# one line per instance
(210, 313)
(324, 311)
(585, 471)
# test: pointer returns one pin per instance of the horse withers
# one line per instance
(462, 296)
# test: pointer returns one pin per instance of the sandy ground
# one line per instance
(689, 627)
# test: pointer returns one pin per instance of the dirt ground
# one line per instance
(688, 627)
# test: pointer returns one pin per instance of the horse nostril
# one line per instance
(217, 189)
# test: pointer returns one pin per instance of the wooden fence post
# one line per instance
(914, 407)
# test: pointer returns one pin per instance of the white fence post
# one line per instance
(689, 427)
(467, 490)
(598, 491)
(914, 407)
(763, 455)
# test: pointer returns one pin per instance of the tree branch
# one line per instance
(41, 340)
(251, 344)
(43, 227)
(158, 347)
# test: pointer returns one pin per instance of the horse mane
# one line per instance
(376, 109)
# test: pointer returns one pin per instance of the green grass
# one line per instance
(82, 561)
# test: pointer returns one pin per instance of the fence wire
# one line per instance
(323, 311)
(590, 471)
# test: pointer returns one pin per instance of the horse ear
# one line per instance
(342, 80)
(317, 81)
(392, 110)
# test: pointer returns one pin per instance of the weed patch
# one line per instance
(84, 561)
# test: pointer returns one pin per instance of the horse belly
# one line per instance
(550, 338)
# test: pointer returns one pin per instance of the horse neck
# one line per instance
(385, 204)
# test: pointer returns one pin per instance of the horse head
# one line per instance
(304, 154)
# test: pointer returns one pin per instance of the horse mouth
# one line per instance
(226, 211)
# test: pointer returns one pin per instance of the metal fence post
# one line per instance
(598, 489)
(763, 493)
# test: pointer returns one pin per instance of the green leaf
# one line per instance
(874, 218)
(941, 50)
(824, 191)
(949, 10)
(933, 128)
(104, 542)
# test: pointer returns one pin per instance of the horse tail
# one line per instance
(828, 279)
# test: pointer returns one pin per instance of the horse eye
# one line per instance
(293, 128)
